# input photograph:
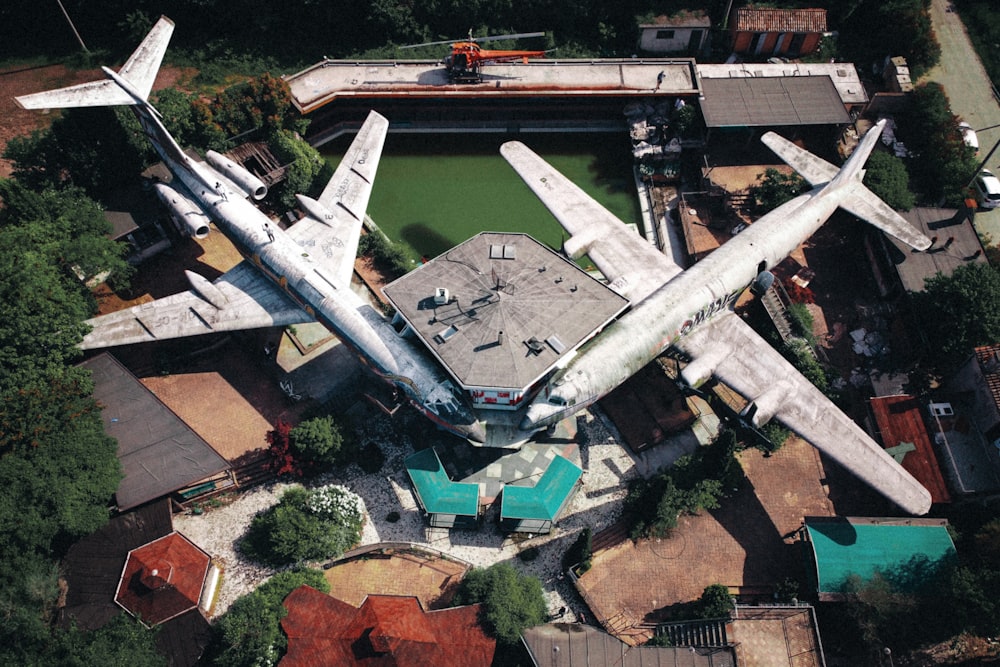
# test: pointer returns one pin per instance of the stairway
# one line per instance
(775, 301)
(706, 633)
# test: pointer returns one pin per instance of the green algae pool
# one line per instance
(434, 191)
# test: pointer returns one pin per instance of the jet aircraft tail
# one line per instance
(847, 182)
(130, 85)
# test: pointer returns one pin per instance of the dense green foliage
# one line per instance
(305, 166)
(249, 633)
(715, 602)
(387, 257)
(886, 176)
(58, 469)
(866, 40)
(776, 188)
(317, 441)
(511, 601)
(959, 312)
(980, 19)
(941, 164)
(305, 525)
(579, 552)
(693, 483)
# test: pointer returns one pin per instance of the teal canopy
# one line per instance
(893, 547)
(437, 493)
(546, 499)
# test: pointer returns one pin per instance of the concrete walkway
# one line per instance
(961, 74)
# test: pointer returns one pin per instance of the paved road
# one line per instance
(968, 87)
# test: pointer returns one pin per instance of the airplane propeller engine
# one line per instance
(242, 178)
(188, 216)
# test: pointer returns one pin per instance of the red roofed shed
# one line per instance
(904, 435)
(385, 630)
(163, 579)
(770, 31)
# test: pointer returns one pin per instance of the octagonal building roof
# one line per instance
(501, 309)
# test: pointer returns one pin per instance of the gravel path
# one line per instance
(606, 465)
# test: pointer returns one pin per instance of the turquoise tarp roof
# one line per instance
(545, 499)
(843, 547)
(438, 494)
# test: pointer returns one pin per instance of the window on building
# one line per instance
(664, 34)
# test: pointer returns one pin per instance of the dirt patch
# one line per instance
(19, 80)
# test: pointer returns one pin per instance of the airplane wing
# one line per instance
(633, 267)
(330, 231)
(141, 67)
(91, 94)
(140, 71)
(748, 364)
(814, 169)
(239, 299)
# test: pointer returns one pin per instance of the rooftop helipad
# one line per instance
(407, 79)
(499, 310)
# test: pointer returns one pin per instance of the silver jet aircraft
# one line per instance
(302, 275)
(692, 309)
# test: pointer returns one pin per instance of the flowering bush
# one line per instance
(305, 525)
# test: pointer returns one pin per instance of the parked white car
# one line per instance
(987, 190)
(969, 136)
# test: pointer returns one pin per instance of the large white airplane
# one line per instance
(302, 275)
(692, 310)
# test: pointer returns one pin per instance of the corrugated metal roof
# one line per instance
(772, 101)
(769, 19)
(158, 452)
(956, 243)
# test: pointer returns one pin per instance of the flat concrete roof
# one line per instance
(844, 76)
(544, 305)
(955, 243)
(330, 80)
(786, 100)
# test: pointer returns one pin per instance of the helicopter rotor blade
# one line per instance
(520, 35)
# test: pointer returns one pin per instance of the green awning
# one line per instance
(547, 498)
(437, 493)
(843, 546)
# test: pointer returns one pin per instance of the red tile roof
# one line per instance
(767, 19)
(162, 579)
(900, 420)
(386, 630)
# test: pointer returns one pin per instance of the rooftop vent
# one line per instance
(942, 410)
(441, 296)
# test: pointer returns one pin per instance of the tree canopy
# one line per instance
(959, 312)
(511, 601)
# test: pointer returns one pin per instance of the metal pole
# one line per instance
(72, 27)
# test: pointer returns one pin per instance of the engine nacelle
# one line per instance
(188, 216)
(242, 178)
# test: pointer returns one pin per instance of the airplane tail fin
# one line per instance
(130, 85)
(856, 199)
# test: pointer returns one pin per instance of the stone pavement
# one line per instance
(749, 544)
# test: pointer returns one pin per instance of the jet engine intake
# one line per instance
(242, 178)
(188, 216)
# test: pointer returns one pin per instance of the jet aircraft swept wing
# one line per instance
(243, 298)
(747, 363)
(632, 266)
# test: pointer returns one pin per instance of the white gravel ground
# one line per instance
(606, 465)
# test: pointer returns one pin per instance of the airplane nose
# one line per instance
(475, 432)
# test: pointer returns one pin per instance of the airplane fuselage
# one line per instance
(290, 267)
(692, 297)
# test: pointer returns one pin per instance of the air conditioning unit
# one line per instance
(942, 410)
(441, 296)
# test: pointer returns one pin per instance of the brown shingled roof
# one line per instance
(385, 630)
(989, 362)
(768, 19)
